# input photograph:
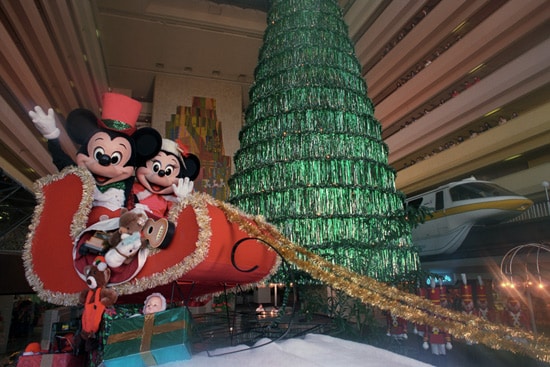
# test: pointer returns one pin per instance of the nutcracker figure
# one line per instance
(483, 309)
(467, 302)
(420, 329)
(443, 296)
(396, 326)
(438, 339)
(514, 315)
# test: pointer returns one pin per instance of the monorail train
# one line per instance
(458, 206)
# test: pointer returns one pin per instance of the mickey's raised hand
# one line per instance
(45, 123)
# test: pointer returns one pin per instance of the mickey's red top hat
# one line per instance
(120, 113)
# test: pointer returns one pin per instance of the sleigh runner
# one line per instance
(201, 259)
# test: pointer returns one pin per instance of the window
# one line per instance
(415, 203)
(439, 202)
(477, 190)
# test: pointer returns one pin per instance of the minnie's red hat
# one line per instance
(120, 113)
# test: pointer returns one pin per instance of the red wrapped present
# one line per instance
(51, 360)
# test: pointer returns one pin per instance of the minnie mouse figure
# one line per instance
(165, 179)
(110, 148)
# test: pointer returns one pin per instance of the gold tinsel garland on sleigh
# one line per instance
(406, 305)
(64, 201)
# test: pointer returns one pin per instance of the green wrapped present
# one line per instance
(148, 340)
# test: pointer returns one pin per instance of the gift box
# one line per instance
(197, 307)
(51, 360)
(148, 340)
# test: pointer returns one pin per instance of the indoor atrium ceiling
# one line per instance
(437, 72)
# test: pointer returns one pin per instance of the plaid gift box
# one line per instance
(148, 340)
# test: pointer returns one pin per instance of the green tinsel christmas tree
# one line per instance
(311, 157)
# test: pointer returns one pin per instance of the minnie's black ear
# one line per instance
(81, 125)
(148, 143)
(192, 167)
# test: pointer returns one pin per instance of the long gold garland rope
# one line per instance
(409, 306)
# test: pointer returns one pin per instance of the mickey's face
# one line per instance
(107, 158)
(160, 173)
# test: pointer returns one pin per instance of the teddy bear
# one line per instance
(95, 299)
(127, 240)
(130, 221)
(135, 233)
(123, 242)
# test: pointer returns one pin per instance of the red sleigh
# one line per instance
(213, 247)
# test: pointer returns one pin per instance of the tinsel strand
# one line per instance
(78, 223)
(400, 303)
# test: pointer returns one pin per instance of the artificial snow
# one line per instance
(312, 350)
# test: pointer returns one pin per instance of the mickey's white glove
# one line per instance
(183, 188)
(425, 345)
(45, 123)
(448, 346)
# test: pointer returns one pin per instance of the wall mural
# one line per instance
(198, 127)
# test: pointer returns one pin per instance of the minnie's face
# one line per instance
(107, 158)
(159, 174)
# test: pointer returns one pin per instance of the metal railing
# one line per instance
(536, 211)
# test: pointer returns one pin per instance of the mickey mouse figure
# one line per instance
(110, 148)
(165, 179)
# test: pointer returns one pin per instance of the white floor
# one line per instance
(313, 350)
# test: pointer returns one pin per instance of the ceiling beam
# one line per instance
(386, 27)
(522, 134)
(420, 43)
(528, 72)
(509, 23)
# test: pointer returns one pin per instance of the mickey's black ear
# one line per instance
(148, 142)
(192, 167)
(81, 125)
